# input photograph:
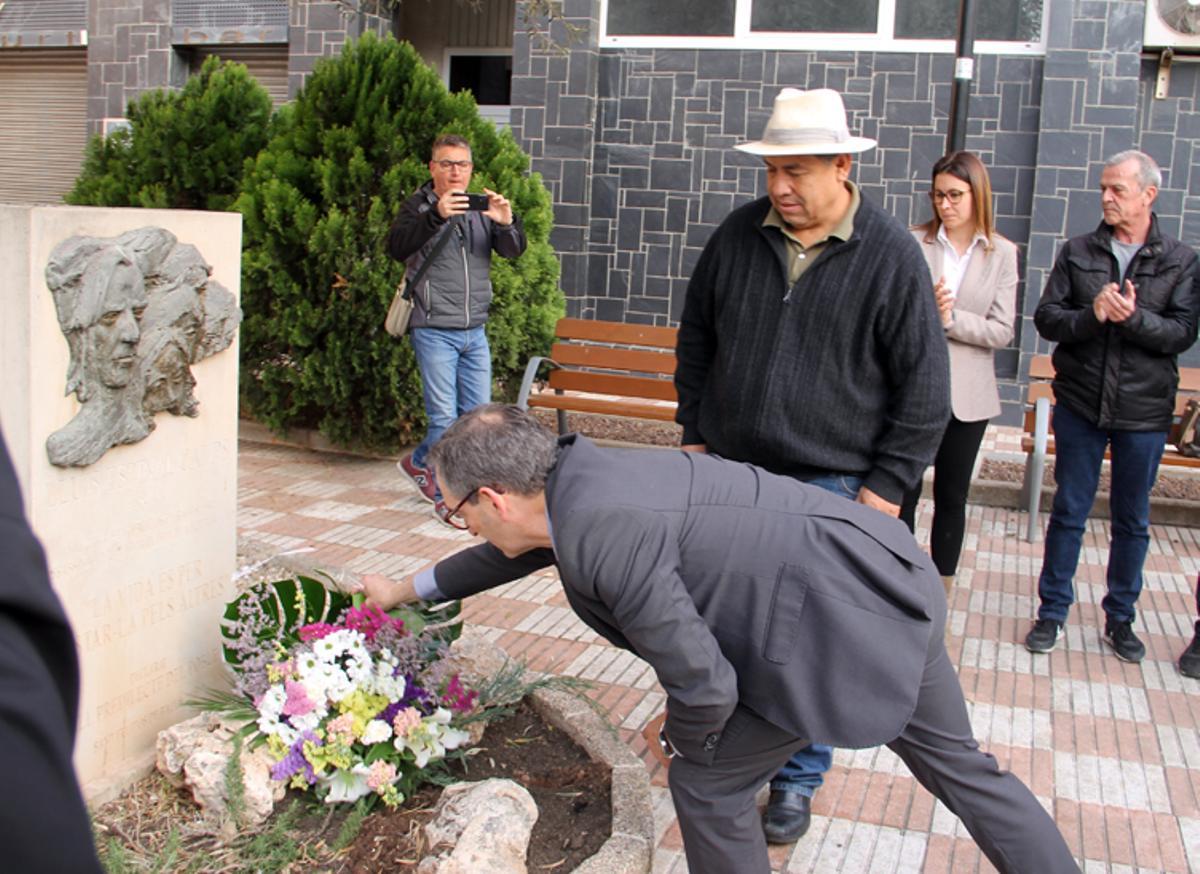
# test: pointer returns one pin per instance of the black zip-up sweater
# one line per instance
(846, 371)
(456, 291)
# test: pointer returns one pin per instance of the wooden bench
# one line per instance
(609, 368)
(1037, 443)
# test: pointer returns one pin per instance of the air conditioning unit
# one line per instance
(1173, 24)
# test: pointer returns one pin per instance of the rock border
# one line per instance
(630, 847)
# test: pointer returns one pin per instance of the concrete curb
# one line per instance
(629, 849)
(1163, 511)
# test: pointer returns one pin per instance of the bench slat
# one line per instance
(613, 384)
(611, 358)
(615, 332)
(629, 409)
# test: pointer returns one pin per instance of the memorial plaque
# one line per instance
(141, 539)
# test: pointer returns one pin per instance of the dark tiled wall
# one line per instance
(320, 29)
(130, 46)
(661, 172)
(129, 51)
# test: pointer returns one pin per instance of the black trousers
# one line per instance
(722, 832)
(951, 481)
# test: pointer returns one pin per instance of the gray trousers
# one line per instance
(722, 832)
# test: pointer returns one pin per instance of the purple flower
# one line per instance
(414, 696)
(294, 762)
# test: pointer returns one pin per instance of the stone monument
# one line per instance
(134, 313)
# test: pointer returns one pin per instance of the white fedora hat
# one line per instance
(807, 123)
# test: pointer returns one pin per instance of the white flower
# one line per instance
(432, 738)
(270, 708)
(376, 732)
(348, 785)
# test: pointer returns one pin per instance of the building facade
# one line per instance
(630, 111)
(633, 135)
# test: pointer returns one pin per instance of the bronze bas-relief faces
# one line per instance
(137, 311)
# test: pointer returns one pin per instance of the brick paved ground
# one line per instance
(1113, 750)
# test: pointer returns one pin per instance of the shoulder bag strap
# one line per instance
(441, 244)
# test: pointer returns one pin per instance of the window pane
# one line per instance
(830, 16)
(1017, 20)
(488, 77)
(670, 18)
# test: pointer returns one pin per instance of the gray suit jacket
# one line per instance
(984, 311)
(736, 585)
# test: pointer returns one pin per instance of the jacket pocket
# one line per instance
(783, 617)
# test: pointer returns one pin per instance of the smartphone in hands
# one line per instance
(477, 202)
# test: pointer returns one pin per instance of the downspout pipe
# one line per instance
(964, 74)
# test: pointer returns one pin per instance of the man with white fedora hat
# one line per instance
(810, 345)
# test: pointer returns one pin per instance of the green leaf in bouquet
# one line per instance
(379, 751)
(287, 605)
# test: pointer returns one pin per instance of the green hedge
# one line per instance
(183, 149)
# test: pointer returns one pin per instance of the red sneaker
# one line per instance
(421, 477)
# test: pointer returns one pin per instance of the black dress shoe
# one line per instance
(787, 816)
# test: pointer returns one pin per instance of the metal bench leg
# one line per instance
(1035, 466)
(562, 416)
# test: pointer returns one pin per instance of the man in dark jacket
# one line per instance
(452, 300)
(772, 612)
(42, 816)
(810, 344)
(1121, 304)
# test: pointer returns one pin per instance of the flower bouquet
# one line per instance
(350, 701)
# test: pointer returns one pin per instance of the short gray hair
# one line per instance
(1148, 173)
(496, 445)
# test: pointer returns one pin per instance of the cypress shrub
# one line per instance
(183, 149)
(318, 202)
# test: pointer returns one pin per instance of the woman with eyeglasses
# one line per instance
(974, 273)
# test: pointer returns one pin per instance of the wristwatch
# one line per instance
(669, 751)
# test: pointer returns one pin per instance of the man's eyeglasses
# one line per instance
(451, 165)
(453, 516)
(954, 195)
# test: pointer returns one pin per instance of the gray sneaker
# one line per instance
(1120, 636)
(1043, 637)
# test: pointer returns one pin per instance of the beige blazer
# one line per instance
(984, 311)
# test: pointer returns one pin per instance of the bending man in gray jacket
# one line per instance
(451, 304)
(773, 613)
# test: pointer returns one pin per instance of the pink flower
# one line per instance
(382, 773)
(298, 702)
(370, 620)
(316, 631)
(341, 728)
(456, 696)
(406, 720)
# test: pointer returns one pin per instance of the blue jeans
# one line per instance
(456, 376)
(1079, 450)
(805, 771)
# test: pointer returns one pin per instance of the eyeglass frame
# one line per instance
(955, 195)
(453, 514)
(447, 165)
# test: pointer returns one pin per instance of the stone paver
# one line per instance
(1112, 750)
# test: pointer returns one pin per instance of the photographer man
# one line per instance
(451, 303)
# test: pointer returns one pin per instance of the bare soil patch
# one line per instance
(572, 794)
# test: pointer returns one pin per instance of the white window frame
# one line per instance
(500, 114)
(743, 38)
